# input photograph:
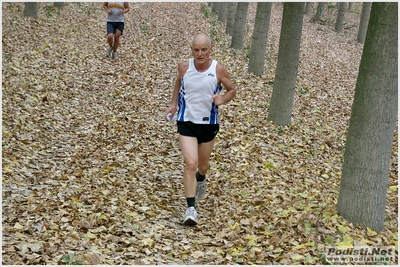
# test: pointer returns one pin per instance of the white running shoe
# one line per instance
(190, 216)
(108, 53)
(201, 189)
(115, 56)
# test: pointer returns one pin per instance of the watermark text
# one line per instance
(363, 254)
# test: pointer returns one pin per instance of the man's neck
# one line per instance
(202, 66)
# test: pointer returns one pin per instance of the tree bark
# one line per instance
(240, 25)
(30, 9)
(350, 6)
(59, 4)
(320, 11)
(308, 8)
(340, 16)
(230, 21)
(222, 13)
(280, 110)
(362, 30)
(365, 173)
(260, 38)
(216, 7)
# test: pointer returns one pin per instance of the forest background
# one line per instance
(92, 174)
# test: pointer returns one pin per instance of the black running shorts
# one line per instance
(203, 132)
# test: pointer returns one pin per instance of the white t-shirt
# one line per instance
(116, 8)
(195, 102)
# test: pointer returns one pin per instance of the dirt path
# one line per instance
(90, 166)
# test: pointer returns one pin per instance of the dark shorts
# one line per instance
(203, 132)
(113, 26)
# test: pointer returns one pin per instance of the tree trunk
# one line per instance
(222, 12)
(30, 9)
(216, 7)
(340, 16)
(362, 30)
(350, 7)
(281, 105)
(240, 25)
(59, 4)
(260, 37)
(320, 11)
(308, 8)
(230, 21)
(365, 173)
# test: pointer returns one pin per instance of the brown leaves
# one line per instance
(92, 174)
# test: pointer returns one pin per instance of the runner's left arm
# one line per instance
(126, 8)
(224, 78)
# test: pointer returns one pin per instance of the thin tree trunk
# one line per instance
(260, 38)
(59, 4)
(350, 7)
(362, 30)
(281, 104)
(308, 8)
(30, 9)
(230, 21)
(215, 7)
(320, 11)
(223, 12)
(365, 173)
(240, 25)
(340, 16)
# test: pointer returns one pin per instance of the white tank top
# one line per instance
(195, 95)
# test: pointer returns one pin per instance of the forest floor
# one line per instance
(92, 173)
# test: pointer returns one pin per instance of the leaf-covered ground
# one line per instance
(92, 174)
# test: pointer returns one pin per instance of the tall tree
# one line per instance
(216, 7)
(240, 25)
(223, 11)
(340, 16)
(59, 4)
(281, 105)
(30, 9)
(308, 8)
(320, 11)
(230, 20)
(259, 38)
(362, 30)
(350, 6)
(365, 173)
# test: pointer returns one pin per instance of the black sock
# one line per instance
(199, 177)
(190, 201)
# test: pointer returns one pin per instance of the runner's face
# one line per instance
(201, 50)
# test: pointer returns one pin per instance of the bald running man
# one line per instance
(196, 97)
